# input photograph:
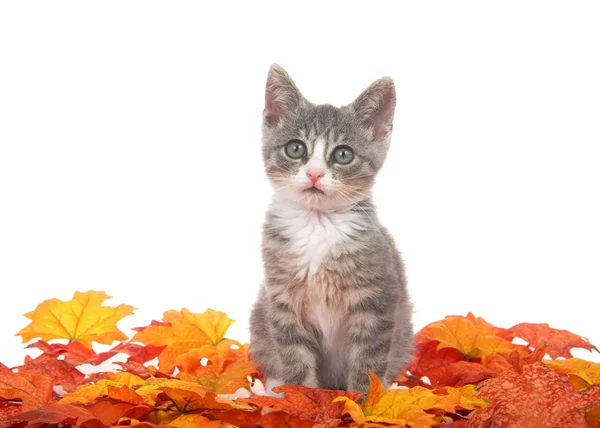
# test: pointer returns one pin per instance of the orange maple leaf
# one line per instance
(226, 371)
(32, 389)
(111, 387)
(54, 414)
(183, 331)
(539, 397)
(471, 336)
(309, 404)
(558, 342)
(82, 319)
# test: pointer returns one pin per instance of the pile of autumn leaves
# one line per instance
(466, 372)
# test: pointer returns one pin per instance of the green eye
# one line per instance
(343, 155)
(295, 149)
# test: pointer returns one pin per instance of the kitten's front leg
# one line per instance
(295, 347)
(370, 337)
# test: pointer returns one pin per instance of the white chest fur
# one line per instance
(313, 234)
(313, 237)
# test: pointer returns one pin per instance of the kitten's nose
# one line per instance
(315, 175)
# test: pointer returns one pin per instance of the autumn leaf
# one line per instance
(411, 406)
(138, 353)
(73, 353)
(183, 331)
(55, 414)
(471, 336)
(85, 394)
(539, 397)
(459, 374)
(110, 412)
(501, 362)
(59, 372)
(191, 396)
(266, 418)
(32, 389)
(558, 343)
(477, 377)
(314, 404)
(82, 319)
(226, 371)
(581, 373)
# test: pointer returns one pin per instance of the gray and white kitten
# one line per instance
(334, 303)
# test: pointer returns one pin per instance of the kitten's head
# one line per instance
(321, 156)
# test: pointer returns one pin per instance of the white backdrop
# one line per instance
(130, 151)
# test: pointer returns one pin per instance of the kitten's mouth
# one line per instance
(314, 191)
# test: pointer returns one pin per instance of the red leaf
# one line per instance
(65, 414)
(559, 342)
(138, 353)
(307, 403)
(60, 372)
(74, 353)
(459, 374)
(32, 389)
(262, 418)
(537, 398)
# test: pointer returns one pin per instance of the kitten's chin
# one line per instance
(315, 199)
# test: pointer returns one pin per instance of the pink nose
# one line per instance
(314, 176)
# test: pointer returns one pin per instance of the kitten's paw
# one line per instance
(268, 388)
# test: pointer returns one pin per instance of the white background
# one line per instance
(130, 151)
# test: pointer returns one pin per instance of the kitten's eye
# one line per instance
(295, 149)
(343, 155)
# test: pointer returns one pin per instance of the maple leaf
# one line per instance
(410, 406)
(558, 343)
(183, 331)
(82, 319)
(73, 353)
(58, 371)
(138, 353)
(501, 362)
(88, 393)
(175, 419)
(539, 397)
(313, 404)
(32, 389)
(190, 396)
(267, 418)
(581, 373)
(427, 357)
(55, 414)
(471, 336)
(110, 413)
(226, 371)
(459, 374)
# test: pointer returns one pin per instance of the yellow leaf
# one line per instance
(581, 373)
(410, 406)
(82, 319)
(472, 336)
(194, 420)
(183, 331)
(112, 387)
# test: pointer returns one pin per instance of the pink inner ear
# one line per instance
(382, 118)
(273, 110)
(281, 96)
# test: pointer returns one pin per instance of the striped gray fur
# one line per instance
(334, 303)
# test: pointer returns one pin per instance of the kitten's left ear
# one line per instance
(375, 107)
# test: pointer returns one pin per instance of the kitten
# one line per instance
(334, 303)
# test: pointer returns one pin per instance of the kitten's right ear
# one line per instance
(282, 97)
